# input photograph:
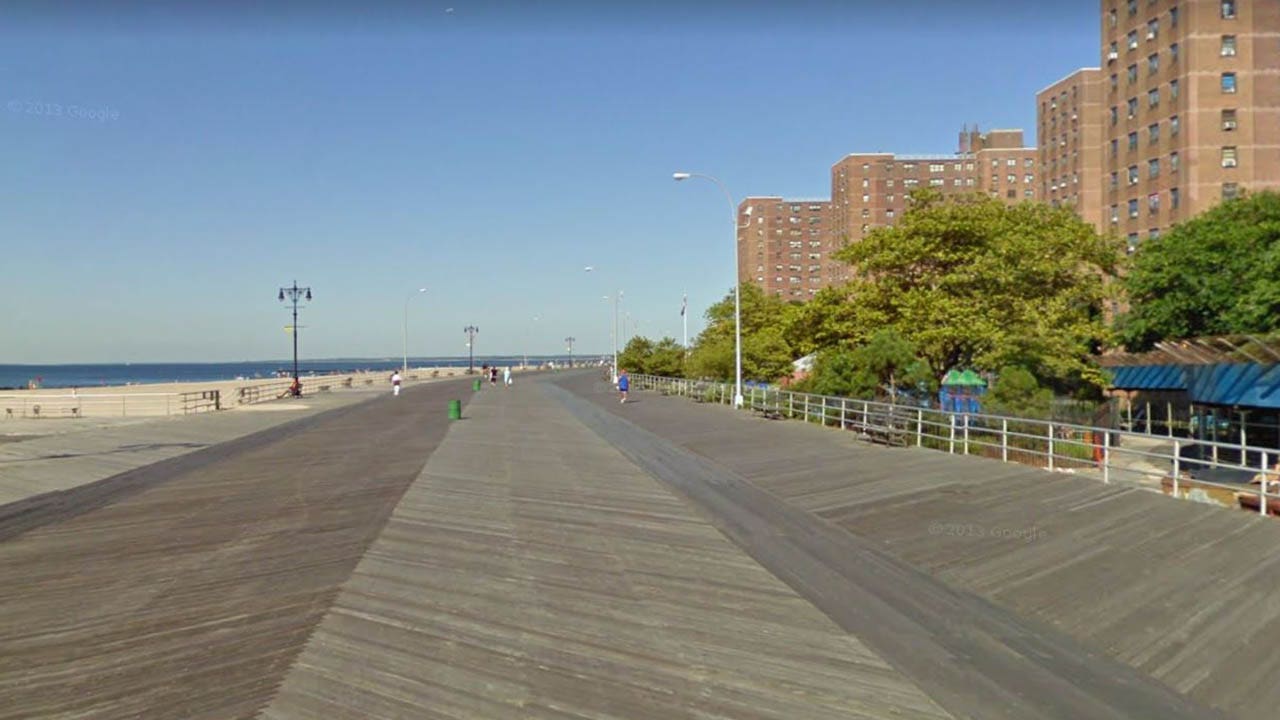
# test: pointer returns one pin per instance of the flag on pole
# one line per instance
(684, 305)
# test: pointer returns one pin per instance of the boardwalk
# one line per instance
(558, 555)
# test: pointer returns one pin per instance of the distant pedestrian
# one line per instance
(493, 375)
(395, 383)
(624, 384)
(506, 376)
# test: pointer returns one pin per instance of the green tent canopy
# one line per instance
(963, 378)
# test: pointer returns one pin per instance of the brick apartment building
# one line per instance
(785, 245)
(869, 190)
(1069, 135)
(1191, 109)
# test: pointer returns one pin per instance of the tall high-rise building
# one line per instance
(870, 190)
(1069, 136)
(785, 245)
(1191, 109)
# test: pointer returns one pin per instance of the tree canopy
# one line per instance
(974, 282)
(766, 352)
(1216, 274)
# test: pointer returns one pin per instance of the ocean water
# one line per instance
(96, 375)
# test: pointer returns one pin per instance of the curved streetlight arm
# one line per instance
(737, 282)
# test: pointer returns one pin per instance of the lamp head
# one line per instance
(281, 298)
(680, 176)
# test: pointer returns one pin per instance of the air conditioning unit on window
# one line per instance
(1112, 55)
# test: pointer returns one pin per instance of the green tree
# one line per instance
(840, 371)
(1017, 392)
(971, 282)
(667, 359)
(766, 354)
(636, 356)
(1216, 274)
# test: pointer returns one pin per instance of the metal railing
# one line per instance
(1209, 471)
(78, 405)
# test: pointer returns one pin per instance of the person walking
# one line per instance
(624, 384)
(395, 383)
(506, 376)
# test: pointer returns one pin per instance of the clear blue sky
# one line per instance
(488, 153)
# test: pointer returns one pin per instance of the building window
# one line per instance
(1229, 9)
(1228, 82)
(1111, 17)
(1229, 120)
(1133, 74)
(1115, 214)
(1228, 46)
(1153, 29)
(866, 213)
(1028, 163)
(1132, 243)
(1153, 167)
(1011, 179)
(1133, 174)
(1153, 63)
(1133, 108)
(1132, 40)
(1133, 208)
(936, 167)
(1133, 7)
(1115, 82)
(1229, 159)
(1153, 133)
(1115, 115)
(1011, 162)
(1173, 89)
(1174, 124)
(968, 182)
(1230, 191)
(889, 213)
(1173, 16)
(1153, 203)
(1153, 234)
(1115, 180)
(1011, 193)
(888, 183)
(995, 164)
(866, 198)
(968, 166)
(1029, 193)
(937, 182)
(1173, 53)
(1115, 147)
(955, 182)
(910, 182)
(1153, 98)
(889, 197)
(1113, 52)
(1175, 198)
(1173, 162)
(1133, 141)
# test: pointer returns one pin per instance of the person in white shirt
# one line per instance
(395, 383)
(506, 376)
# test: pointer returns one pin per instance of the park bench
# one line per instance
(881, 428)
(699, 392)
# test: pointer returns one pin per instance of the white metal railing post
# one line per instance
(919, 427)
(843, 407)
(1051, 446)
(866, 416)
(1262, 486)
(1148, 418)
(951, 440)
(806, 407)
(966, 433)
(1004, 439)
(1177, 465)
(1106, 457)
(791, 404)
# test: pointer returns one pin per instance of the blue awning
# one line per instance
(1149, 377)
(1242, 384)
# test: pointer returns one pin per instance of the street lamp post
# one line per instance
(570, 340)
(410, 296)
(737, 285)
(471, 331)
(294, 294)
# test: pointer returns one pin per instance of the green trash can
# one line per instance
(475, 385)
(455, 409)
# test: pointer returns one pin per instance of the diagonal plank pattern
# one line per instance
(533, 572)
(189, 593)
(1181, 591)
